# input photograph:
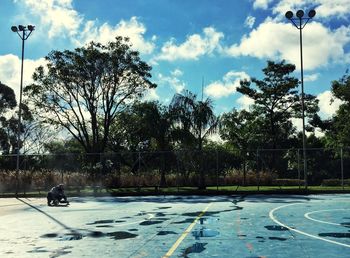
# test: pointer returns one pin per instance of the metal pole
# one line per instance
(217, 170)
(298, 154)
(342, 168)
(302, 100)
(19, 116)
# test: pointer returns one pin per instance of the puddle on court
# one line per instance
(163, 208)
(204, 232)
(183, 221)
(119, 235)
(39, 249)
(208, 213)
(150, 222)
(104, 221)
(345, 224)
(71, 236)
(276, 228)
(278, 238)
(164, 233)
(208, 220)
(195, 248)
(96, 234)
(336, 235)
(49, 235)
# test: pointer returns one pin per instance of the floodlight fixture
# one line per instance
(31, 27)
(300, 14)
(289, 15)
(21, 28)
(14, 28)
(312, 13)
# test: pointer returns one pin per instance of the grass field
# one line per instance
(211, 190)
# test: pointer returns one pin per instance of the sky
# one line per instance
(197, 45)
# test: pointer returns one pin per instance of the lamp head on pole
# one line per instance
(312, 13)
(31, 27)
(21, 27)
(14, 28)
(300, 14)
(289, 15)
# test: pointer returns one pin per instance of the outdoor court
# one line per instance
(178, 226)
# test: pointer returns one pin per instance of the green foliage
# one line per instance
(337, 128)
(83, 90)
(276, 101)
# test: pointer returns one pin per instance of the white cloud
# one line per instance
(133, 29)
(57, 17)
(277, 40)
(261, 4)
(194, 47)
(177, 73)
(249, 21)
(311, 77)
(245, 102)
(324, 8)
(10, 71)
(226, 86)
(172, 81)
(328, 104)
(151, 94)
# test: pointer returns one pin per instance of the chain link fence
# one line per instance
(216, 169)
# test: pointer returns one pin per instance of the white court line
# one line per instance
(307, 215)
(271, 215)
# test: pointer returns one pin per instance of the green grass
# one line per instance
(211, 190)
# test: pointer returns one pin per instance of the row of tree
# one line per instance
(94, 93)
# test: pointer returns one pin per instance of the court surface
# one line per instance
(178, 226)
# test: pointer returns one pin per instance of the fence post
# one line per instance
(342, 167)
(298, 155)
(257, 168)
(217, 170)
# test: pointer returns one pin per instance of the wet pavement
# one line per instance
(178, 226)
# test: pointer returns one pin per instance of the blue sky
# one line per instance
(222, 41)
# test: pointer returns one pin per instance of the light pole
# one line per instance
(23, 32)
(300, 22)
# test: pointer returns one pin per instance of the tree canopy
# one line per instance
(84, 90)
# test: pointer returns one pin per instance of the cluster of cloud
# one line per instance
(58, 18)
(274, 38)
(10, 71)
(277, 40)
(227, 85)
(195, 46)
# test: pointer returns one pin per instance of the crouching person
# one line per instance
(56, 196)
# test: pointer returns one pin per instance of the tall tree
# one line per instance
(337, 128)
(146, 122)
(84, 90)
(196, 121)
(241, 129)
(7, 103)
(277, 101)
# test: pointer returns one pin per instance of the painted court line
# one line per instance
(271, 214)
(185, 233)
(307, 215)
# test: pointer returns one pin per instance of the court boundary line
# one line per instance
(273, 218)
(307, 215)
(185, 233)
